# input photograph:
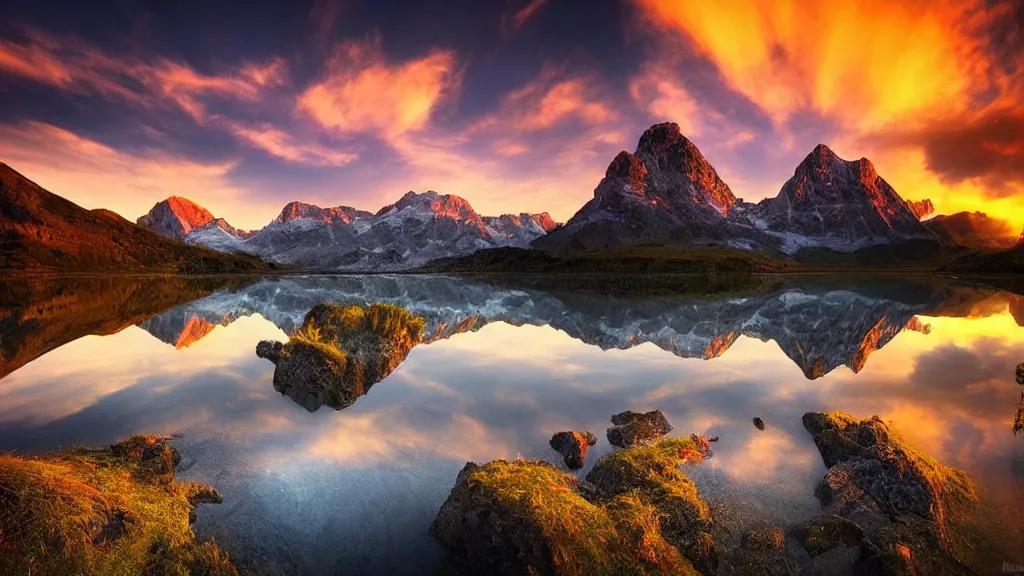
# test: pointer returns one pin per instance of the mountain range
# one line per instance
(664, 193)
(407, 234)
(831, 213)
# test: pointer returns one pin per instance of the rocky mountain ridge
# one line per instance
(415, 229)
(667, 193)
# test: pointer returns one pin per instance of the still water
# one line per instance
(311, 489)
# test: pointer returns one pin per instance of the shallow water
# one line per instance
(354, 491)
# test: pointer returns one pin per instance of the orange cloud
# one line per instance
(282, 145)
(865, 62)
(550, 98)
(78, 67)
(666, 99)
(96, 176)
(526, 13)
(360, 91)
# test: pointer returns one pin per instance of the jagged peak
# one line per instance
(175, 217)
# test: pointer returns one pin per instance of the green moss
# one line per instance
(100, 512)
(620, 537)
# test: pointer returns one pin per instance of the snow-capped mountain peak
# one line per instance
(175, 217)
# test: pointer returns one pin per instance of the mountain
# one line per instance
(175, 217)
(838, 204)
(416, 229)
(518, 231)
(974, 230)
(664, 193)
(667, 193)
(40, 230)
(218, 235)
(921, 208)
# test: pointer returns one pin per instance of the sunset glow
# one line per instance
(515, 111)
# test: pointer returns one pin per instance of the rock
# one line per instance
(761, 552)
(153, 457)
(763, 539)
(826, 532)
(115, 528)
(652, 471)
(758, 423)
(340, 352)
(1020, 369)
(525, 517)
(270, 350)
(573, 447)
(906, 503)
(637, 429)
(1018, 418)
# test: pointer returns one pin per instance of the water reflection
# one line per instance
(499, 370)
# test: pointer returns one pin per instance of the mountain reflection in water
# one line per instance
(499, 370)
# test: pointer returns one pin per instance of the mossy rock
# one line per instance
(340, 352)
(527, 517)
(653, 472)
(914, 511)
(827, 532)
(103, 511)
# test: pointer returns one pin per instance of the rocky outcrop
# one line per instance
(834, 203)
(175, 217)
(921, 208)
(908, 506)
(339, 353)
(573, 447)
(637, 429)
(525, 517)
(665, 193)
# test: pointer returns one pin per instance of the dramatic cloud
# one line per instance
(282, 145)
(360, 91)
(78, 67)
(868, 62)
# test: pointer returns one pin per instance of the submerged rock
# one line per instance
(637, 429)
(340, 352)
(1018, 418)
(270, 350)
(637, 513)
(908, 506)
(573, 446)
(758, 423)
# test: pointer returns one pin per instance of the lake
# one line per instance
(312, 489)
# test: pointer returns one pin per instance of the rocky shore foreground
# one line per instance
(886, 509)
(114, 510)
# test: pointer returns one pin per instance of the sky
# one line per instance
(515, 105)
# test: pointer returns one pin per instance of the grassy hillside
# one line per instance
(919, 254)
(42, 231)
(1005, 262)
(639, 260)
